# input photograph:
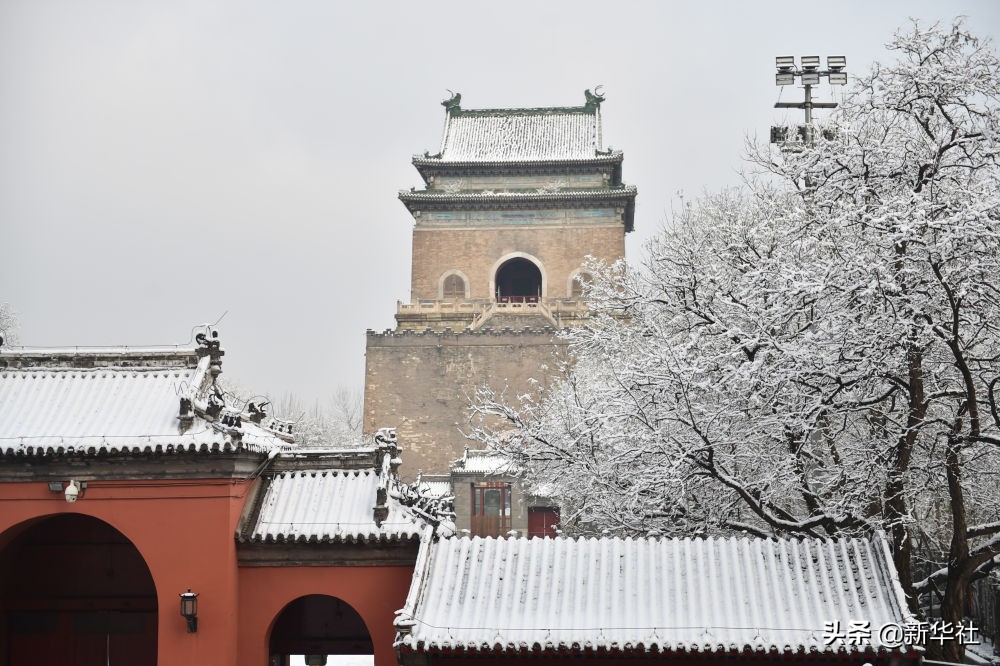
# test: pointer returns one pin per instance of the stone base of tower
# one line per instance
(422, 383)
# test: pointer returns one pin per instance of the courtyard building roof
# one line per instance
(434, 485)
(647, 595)
(134, 400)
(482, 462)
(330, 506)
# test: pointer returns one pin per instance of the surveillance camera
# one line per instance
(72, 491)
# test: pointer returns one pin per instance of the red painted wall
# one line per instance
(184, 531)
(376, 593)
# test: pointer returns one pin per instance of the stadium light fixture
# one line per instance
(836, 63)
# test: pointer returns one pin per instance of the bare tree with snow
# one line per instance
(8, 324)
(335, 423)
(816, 354)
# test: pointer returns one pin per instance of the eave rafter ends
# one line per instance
(645, 650)
(620, 197)
(623, 193)
(434, 164)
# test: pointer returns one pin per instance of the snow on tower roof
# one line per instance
(647, 595)
(522, 135)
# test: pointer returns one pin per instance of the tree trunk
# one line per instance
(959, 569)
(897, 510)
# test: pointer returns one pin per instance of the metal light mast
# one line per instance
(809, 74)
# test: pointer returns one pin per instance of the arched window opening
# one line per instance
(316, 626)
(82, 595)
(518, 281)
(579, 283)
(454, 288)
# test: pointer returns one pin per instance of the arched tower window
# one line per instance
(518, 281)
(453, 287)
(577, 282)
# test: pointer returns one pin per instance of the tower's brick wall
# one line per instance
(421, 384)
(474, 250)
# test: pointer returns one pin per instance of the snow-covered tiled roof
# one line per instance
(646, 595)
(474, 461)
(521, 135)
(96, 401)
(330, 506)
(49, 407)
(438, 486)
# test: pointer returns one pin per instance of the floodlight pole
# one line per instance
(809, 73)
(808, 105)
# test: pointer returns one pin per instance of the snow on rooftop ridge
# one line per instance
(201, 336)
(480, 461)
(23, 350)
(61, 358)
(522, 135)
(648, 595)
(120, 399)
(99, 410)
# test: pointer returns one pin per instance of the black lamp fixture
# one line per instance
(189, 609)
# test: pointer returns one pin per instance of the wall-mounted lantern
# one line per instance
(189, 609)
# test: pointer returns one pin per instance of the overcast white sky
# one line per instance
(162, 163)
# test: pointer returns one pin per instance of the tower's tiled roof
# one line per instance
(522, 135)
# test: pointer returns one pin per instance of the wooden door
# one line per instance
(490, 509)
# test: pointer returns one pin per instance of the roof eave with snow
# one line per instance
(119, 402)
(716, 597)
(622, 197)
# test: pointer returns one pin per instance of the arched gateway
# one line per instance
(75, 591)
(318, 625)
(518, 280)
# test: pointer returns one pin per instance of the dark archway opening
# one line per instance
(318, 625)
(518, 281)
(76, 592)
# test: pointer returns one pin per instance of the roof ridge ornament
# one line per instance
(594, 99)
(453, 102)
(208, 345)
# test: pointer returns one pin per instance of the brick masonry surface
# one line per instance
(421, 384)
(475, 252)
